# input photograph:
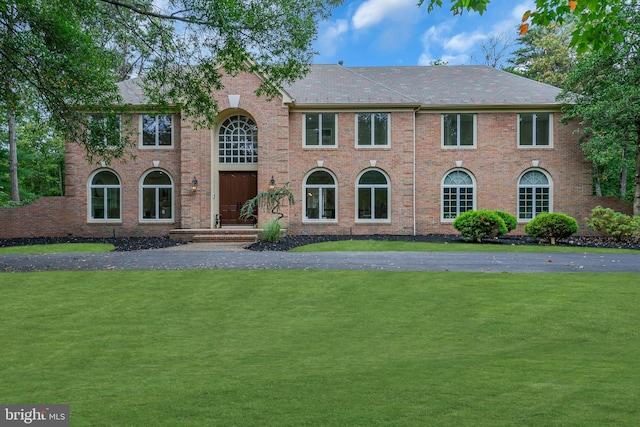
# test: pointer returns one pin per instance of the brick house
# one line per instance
(386, 150)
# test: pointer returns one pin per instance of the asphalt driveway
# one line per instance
(197, 257)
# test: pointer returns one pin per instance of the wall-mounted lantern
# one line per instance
(194, 184)
(272, 183)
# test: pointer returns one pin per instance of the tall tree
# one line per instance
(545, 54)
(63, 53)
(604, 94)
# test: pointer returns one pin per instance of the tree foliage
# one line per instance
(71, 53)
(545, 54)
(603, 90)
(598, 25)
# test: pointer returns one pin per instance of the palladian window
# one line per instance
(457, 194)
(157, 196)
(373, 196)
(534, 194)
(320, 196)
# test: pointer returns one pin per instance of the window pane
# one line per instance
(526, 129)
(364, 203)
(525, 203)
(450, 129)
(320, 178)
(372, 177)
(105, 178)
(364, 129)
(328, 129)
(313, 203)
(312, 129)
(113, 202)
(466, 129)
(149, 203)
(329, 203)
(97, 203)
(164, 130)
(542, 129)
(165, 203)
(157, 178)
(380, 128)
(381, 208)
(148, 130)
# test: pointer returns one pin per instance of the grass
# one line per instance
(399, 246)
(323, 348)
(58, 248)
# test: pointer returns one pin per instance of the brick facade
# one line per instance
(415, 163)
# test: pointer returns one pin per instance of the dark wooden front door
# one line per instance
(235, 189)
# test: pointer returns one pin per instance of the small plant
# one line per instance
(551, 226)
(476, 225)
(612, 223)
(509, 220)
(271, 232)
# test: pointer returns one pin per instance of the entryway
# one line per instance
(235, 189)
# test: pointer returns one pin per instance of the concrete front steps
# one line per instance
(238, 234)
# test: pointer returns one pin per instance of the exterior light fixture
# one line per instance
(194, 184)
(272, 183)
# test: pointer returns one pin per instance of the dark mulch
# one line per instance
(289, 242)
(122, 244)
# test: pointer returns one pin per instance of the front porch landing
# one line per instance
(242, 234)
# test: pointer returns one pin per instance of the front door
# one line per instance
(235, 189)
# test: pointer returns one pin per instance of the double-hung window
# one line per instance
(458, 130)
(157, 130)
(320, 130)
(534, 129)
(373, 129)
(104, 130)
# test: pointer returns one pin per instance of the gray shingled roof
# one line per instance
(427, 86)
(434, 86)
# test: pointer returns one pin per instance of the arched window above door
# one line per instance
(238, 140)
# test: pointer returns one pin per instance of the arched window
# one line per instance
(157, 196)
(320, 196)
(458, 194)
(373, 196)
(534, 194)
(105, 197)
(238, 140)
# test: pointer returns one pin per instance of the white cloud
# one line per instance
(330, 36)
(372, 12)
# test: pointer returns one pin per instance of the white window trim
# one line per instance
(304, 199)
(458, 146)
(388, 187)
(534, 146)
(156, 146)
(141, 187)
(474, 185)
(372, 145)
(89, 203)
(319, 146)
(526, 220)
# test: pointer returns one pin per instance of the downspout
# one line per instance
(415, 225)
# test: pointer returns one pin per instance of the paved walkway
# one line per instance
(199, 256)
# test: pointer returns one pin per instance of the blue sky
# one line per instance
(397, 32)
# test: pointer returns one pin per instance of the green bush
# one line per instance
(612, 223)
(475, 225)
(271, 232)
(509, 220)
(551, 226)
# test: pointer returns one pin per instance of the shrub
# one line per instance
(509, 220)
(551, 226)
(474, 225)
(271, 232)
(612, 223)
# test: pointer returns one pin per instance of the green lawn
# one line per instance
(323, 348)
(399, 246)
(58, 248)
